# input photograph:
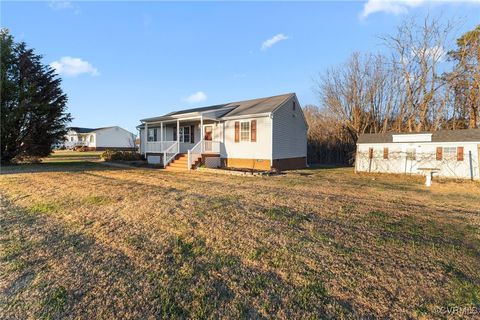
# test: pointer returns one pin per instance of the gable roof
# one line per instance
(87, 130)
(461, 135)
(237, 108)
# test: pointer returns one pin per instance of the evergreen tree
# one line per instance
(33, 105)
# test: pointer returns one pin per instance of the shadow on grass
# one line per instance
(58, 271)
(58, 166)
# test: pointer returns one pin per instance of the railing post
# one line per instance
(189, 156)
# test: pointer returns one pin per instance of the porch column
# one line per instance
(145, 138)
(201, 133)
(161, 136)
(178, 134)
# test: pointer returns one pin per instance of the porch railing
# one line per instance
(170, 153)
(197, 149)
(159, 146)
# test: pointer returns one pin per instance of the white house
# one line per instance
(100, 138)
(450, 153)
(260, 134)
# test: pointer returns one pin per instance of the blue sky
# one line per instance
(123, 61)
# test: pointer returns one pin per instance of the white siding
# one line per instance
(261, 149)
(114, 137)
(289, 131)
(397, 161)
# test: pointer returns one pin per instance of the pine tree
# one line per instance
(33, 105)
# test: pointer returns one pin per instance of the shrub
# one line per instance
(112, 155)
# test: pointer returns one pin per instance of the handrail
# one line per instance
(166, 160)
(193, 151)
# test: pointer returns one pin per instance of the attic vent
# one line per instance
(420, 137)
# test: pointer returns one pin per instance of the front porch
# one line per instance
(167, 139)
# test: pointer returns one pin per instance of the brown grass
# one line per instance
(322, 243)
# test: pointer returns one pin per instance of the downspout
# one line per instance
(271, 144)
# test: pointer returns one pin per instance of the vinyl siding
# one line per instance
(289, 131)
(425, 158)
(115, 137)
(261, 149)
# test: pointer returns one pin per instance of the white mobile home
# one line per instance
(450, 153)
(100, 138)
(262, 133)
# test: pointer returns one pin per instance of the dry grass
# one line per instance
(323, 243)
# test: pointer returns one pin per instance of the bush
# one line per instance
(112, 155)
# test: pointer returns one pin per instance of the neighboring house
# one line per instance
(100, 138)
(453, 153)
(259, 134)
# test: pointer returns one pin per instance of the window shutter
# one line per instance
(370, 153)
(385, 153)
(459, 153)
(439, 153)
(192, 135)
(253, 131)
(174, 133)
(237, 131)
(155, 134)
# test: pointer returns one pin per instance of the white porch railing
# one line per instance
(170, 153)
(196, 150)
(203, 146)
(159, 146)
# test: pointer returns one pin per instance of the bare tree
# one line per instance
(416, 51)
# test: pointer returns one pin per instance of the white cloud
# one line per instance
(273, 40)
(389, 6)
(72, 67)
(401, 6)
(64, 5)
(196, 97)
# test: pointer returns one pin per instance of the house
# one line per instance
(451, 153)
(100, 138)
(262, 134)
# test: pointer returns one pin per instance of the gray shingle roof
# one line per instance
(437, 136)
(238, 108)
(87, 130)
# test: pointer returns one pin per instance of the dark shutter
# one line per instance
(385, 153)
(439, 156)
(155, 134)
(174, 133)
(253, 131)
(237, 131)
(459, 153)
(370, 153)
(192, 135)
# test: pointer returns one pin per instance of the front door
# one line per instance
(208, 135)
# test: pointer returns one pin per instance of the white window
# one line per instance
(411, 154)
(185, 134)
(245, 131)
(449, 152)
(71, 138)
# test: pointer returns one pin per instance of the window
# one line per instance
(91, 138)
(245, 131)
(152, 134)
(71, 138)
(449, 152)
(185, 134)
(411, 154)
(294, 106)
(370, 153)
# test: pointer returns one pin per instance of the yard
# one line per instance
(84, 240)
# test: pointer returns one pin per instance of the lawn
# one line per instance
(90, 241)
